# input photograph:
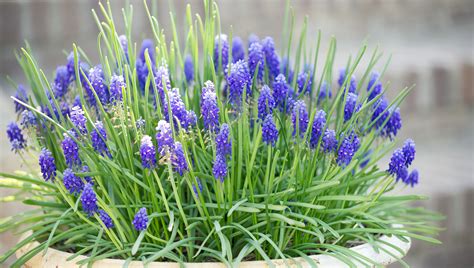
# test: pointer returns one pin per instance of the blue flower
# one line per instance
(164, 137)
(147, 44)
(397, 165)
(280, 91)
(256, 59)
(191, 119)
(305, 80)
(99, 138)
(116, 84)
(266, 103)
(238, 50)
(89, 200)
(238, 77)
(347, 150)
(140, 221)
(221, 52)
(61, 81)
(409, 151)
(70, 150)
(147, 152)
(209, 107)
(28, 119)
(352, 83)
(253, 38)
(78, 119)
(350, 107)
(17, 141)
(85, 169)
(162, 76)
(412, 179)
(105, 218)
(63, 108)
(22, 96)
(124, 44)
(394, 124)
(286, 70)
(179, 159)
(189, 68)
(329, 142)
(199, 187)
(223, 141)
(269, 131)
(97, 80)
(319, 123)
(299, 118)
(71, 182)
(272, 60)
(324, 93)
(47, 165)
(380, 112)
(219, 170)
(374, 86)
(178, 109)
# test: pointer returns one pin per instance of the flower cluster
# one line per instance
(401, 160)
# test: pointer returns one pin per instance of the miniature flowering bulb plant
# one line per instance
(209, 149)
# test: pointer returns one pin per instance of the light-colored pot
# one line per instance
(55, 258)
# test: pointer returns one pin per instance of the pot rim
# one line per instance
(386, 255)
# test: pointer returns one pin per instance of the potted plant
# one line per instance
(208, 151)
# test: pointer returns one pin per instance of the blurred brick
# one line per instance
(412, 78)
(442, 87)
(9, 32)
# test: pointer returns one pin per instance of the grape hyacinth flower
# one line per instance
(256, 59)
(63, 108)
(28, 119)
(238, 50)
(78, 119)
(374, 86)
(209, 107)
(47, 165)
(188, 69)
(124, 44)
(266, 103)
(347, 150)
(412, 179)
(140, 124)
(105, 218)
(191, 119)
(409, 151)
(61, 81)
(380, 112)
(71, 182)
(22, 96)
(140, 221)
(305, 81)
(350, 107)
(89, 200)
(299, 118)
(147, 152)
(99, 138)
(253, 38)
(324, 93)
(319, 123)
(164, 137)
(177, 106)
(70, 65)
(96, 77)
(394, 124)
(198, 188)
(162, 76)
(397, 165)
(238, 78)
(85, 169)
(272, 61)
(342, 79)
(223, 141)
(269, 131)
(116, 84)
(286, 69)
(179, 159)
(17, 140)
(329, 142)
(221, 52)
(219, 170)
(147, 45)
(141, 65)
(280, 91)
(70, 150)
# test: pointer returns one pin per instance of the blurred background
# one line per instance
(432, 46)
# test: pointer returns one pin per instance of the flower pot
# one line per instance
(55, 258)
